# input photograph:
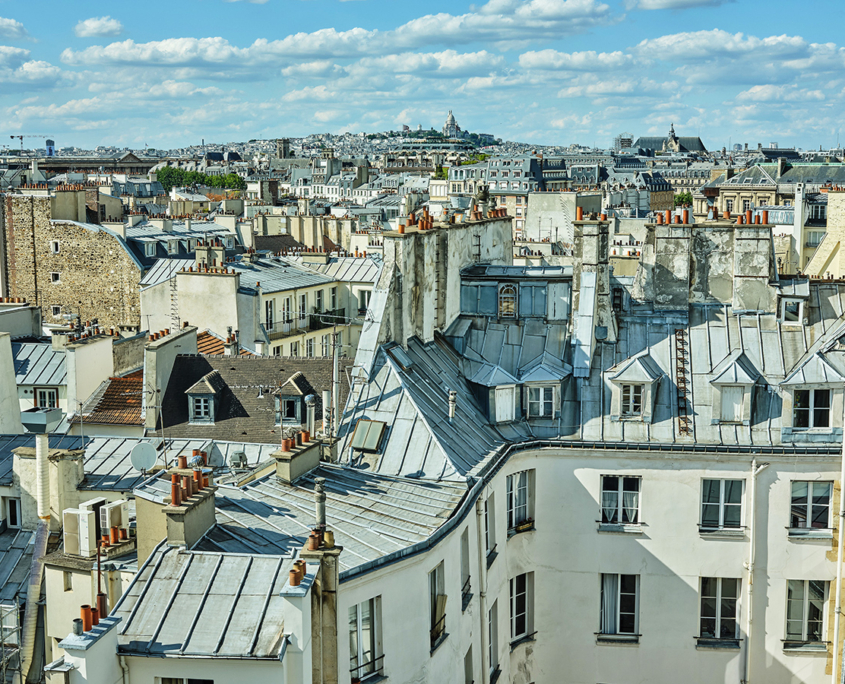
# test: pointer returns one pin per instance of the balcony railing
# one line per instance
(304, 322)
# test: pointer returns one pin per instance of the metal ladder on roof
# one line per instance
(174, 304)
(682, 362)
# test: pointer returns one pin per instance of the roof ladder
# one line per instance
(476, 248)
(682, 364)
(174, 304)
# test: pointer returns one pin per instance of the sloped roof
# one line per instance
(37, 363)
(210, 343)
(118, 401)
(817, 370)
(638, 368)
(735, 369)
(210, 383)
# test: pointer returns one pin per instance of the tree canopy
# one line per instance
(171, 177)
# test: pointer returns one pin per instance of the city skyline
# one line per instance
(550, 72)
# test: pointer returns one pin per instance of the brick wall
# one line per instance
(96, 275)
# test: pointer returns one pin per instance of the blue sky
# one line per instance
(546, 71)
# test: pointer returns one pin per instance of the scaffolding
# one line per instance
(10, 633)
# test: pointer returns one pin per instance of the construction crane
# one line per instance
(26, 135)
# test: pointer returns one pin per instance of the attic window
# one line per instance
(507, 301)
(368, 435)
(792, 311)
(401, 357)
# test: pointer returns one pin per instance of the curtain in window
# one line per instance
(631, 504)
(609, 603)
(522, 497)
(609, 506)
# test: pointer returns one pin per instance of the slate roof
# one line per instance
(276, 243)
(241, 414)
(10, 442)
(38, 363)
(687, 143)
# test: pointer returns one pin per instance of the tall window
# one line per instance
(286, 311)
(811, 504)
(13, 512)
(805, 610)
(620, 499)
(632, 400)
(520, 486)
(541, 402)
(468, 678)
(505, 405)
(507, 301)
(365, 656)
(437, 604)
(294, 349)
(729, 205)
(619, 604)
(746, 205)
(319, 301)
(465, 577)
(719, 599)
(520, 605)
(269, 313)
(333, 297)
(489, 525)
(811, 408)
(721, 504)
(732, 403)
(493, 637)
(309, 347)
(302, 307)
(327, 345)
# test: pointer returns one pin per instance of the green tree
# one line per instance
(683, 198)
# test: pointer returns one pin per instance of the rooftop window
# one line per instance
(368, 435)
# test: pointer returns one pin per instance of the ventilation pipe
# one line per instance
(310, 403)
(320, 500)
(42, 483)
(327, 398)
(453, 402)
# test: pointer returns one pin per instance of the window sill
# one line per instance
(519, 529)
(373, 679)
(494, 675)
(523, 640)
(437, 643)
(621, 528)
(621, 639)
(721, 532)
(491, 556)
(710, 643)
(465, 599)
(802, 533)
(812, 647)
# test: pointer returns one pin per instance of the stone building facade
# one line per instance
(61, 264)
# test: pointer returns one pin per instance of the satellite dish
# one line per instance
(143, 456)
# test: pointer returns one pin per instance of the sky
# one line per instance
(555, 72)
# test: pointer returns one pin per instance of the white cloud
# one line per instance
(12, 29)
(773, 93)
(98, 27)
(574, 61)
(12, 57)
(700, 45)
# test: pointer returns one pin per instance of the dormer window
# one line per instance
(287, 410)
(732, 400)
(507, 301)
(811, 409)
(541, 402)
(792, 311)
(632, 401)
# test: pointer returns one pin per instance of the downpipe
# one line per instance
(749, 564)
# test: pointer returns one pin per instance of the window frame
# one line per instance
(49, 392)
(493, 637)
(536, 408)
(722, 504)
(520, 481)
(809, 505)
(632, 389)
(811, 409)
(805, 610)
(526, 613)
(620, 498)
(150, 249)
(719, 598)
(55, 247)
(375, 644)
(55, 278)
(507, 295)
(736, 420)
(792, 300)
(436, 591)
(617, 627)
(205, 414)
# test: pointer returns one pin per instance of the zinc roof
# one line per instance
(39, 364)
(345, 269)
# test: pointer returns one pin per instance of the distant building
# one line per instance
(670, 143)
(450, 128)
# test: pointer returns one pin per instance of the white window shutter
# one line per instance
(732, 403)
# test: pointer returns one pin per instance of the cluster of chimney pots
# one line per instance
(299, 438)
(182, 485)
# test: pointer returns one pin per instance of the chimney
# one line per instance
(189, 519)
(293, 460)
(230, 346)
(311, 406)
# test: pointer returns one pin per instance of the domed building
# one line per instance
(451, 128)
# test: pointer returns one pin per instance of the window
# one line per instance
(504, 404)
(269, 313)
(54, 277)
(521, 590)
(811, 505)
(200, 409)
(172, 246)
(721, 504)
(805, 610)
(333, 297)
(46, 397)
(620, 499)
(437, 602)
(814, 238)
(732, 403)
(309, 347)
(365, 656)
(364, 300)
(326, 344)
(294, 348)
(56, 311)
(13, 512)
(811, 409)
(719, 599)
(319, 301)
(792, 311)
(632, 401)
(729, 205)
(466, 594)
(489, 525)
(286, 317)
(468, 679)
(619, 604)
(54, 246)
(302, 307)
(746, 205)
(493, 636)
(507, 301)
(520, 498)
(149, 249)
(67, 580)
(287, 410)
(368, 435)
(541, 402)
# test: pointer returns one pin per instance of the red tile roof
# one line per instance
(120, 402)
(211, 345)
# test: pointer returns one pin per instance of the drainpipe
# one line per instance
(125, 668)
(752, 534)
(42, 482)
(837, 612)
(482, 583)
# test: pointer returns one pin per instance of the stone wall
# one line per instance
(97, 277)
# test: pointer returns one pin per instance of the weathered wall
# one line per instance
(10, 415)
(128, 353)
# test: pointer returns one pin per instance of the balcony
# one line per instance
(302, 323)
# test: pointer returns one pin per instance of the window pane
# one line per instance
(799, 504)
(821, 398)
(733, 515)
(801, 399)
(711, 491)
(708, 607)
(628, 584)
(627, 603)
(708, 586)
(627, 624)
(710, 515)
(801, 418)
(708, 627)
(733, 491)
(730, 588)
(631, 484)
(821, 418)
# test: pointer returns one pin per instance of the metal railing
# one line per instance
(360, 671)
